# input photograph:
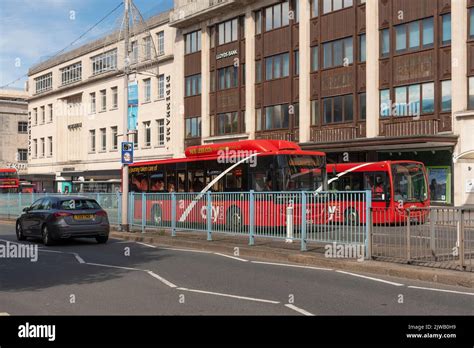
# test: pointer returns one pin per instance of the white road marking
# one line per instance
(228, 295)
(371, 278)
(161, 279)
(299, 310)
(4, 314)
(112, 266)
(188, 250)
(78, 258)
(147, 245)
(288, 265)
(442, 290)
(231, 257)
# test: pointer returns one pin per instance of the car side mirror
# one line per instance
(26, 209)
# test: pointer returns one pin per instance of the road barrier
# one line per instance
(441, 237)
(434, 237)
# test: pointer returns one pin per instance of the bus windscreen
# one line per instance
(409, 182)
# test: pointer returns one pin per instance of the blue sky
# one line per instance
(33, 30)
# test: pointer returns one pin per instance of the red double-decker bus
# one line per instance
(9, 180)
(259, 165)
(396, 186)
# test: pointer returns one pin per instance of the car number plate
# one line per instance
(84, 217)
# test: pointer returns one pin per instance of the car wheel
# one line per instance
(47, 240)
(102, 239)
(19, 232)
(351, 217)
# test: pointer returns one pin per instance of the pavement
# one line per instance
(127, 277)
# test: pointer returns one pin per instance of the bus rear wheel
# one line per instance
(351, 217)
(234, 220)
(156, 216)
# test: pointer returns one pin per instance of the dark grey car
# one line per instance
(60, 217)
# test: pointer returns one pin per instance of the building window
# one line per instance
(228, 77)
(147, 133)
(35, 148)
(103, 139)
(295, 6)
(362, 48)
(277, 66)
(193, 127)
(334, 5)
(43, 115)
(147, 90)
(193, 42)
(35, 116)
(446, 96)
(147, 45)
(104, 62)
(314, 58)
(338, 53)
(471, 93)
(297, 63)
(134, 52)
(42, 147)
(50, 146)
(338, 109)
(277, 16)
(161, 86)
(258, 119)
(71, 73)
(22, 155)
(103, 100)
(161, 132)
(314, 8)
(420, 34)
(228, 31)
(446, 27)
(258, 22)
(258, 71)
(92, 140)
(161, 42)
(385, 42)
(93, 103)
(385, 103)
(44, 83)
(314, 112)
(471, 23)
(114, 97)
(50, 113)
(276, 117)
(135, 139)
(225, 123)
(23, 127)
(362, 106)
(193, 85)
(114, 137)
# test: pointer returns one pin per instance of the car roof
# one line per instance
(68, 198)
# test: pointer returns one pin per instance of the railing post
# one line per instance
(173, 214)
(209, 216)
(143, 212)
(251, 218)
(460, 238)
(433, 219)
(303, 221)
(368, 224)
(408, 236)
(119, 207)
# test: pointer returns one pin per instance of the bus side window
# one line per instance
(376, 182)
(139, 182)
(170, 182)
(233, 180)
(157, 183)
(181, 182)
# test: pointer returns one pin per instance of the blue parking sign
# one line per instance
(127, 152)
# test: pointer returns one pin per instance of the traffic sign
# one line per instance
(127, 152)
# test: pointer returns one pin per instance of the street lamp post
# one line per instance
(126, 71)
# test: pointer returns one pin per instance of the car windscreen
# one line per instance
(78, 204)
